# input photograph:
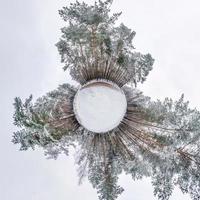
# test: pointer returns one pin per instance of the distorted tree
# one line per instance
(112, 125)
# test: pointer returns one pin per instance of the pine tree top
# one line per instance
(91, 38)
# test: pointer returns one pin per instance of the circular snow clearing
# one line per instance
(100, 106)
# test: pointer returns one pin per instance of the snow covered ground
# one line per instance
(100, 106)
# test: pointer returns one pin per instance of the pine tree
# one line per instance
(155, 139)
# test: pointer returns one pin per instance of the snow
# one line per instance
(100, 106)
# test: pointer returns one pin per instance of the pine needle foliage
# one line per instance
(155, 139)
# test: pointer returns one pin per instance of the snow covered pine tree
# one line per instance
(160, 140)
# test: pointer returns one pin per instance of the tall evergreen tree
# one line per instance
(155, 139)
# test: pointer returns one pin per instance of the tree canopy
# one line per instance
(156, 139)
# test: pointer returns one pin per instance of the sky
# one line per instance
(30, 64)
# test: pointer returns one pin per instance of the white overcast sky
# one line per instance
(29, 63)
